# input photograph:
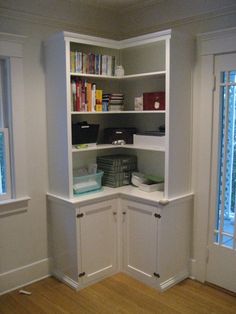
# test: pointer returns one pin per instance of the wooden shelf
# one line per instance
(125, 77)
(119, 112)
(110, 146)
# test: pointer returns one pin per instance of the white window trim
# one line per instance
(11, 48)
(7, 161)
(209, 44)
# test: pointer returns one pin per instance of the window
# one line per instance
(225, 218)
(5, 181)
(13, 170)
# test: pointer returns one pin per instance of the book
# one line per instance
(73, 95)
(98, 100)
(78, 95)
(89, 96)
(93, 97)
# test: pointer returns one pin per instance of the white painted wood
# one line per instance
(22, 276)
(172, 65)
(140, 240)
(101, 243)
(62, 239)
(158, 245)
(120, 112)
(58, 120)
(174, 241)
(98, 238)
(179, 115)
(110, 146)
(209, 44)
(11, 50)
(125, 77)
(220, 269)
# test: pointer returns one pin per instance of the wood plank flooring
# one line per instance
(117, 294)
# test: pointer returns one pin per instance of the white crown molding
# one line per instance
(106, 32)
(116, 6)
(20, 39)
(54, 22)
(231, 10)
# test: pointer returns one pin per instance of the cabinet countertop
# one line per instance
(129, 191)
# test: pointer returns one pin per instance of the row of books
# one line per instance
(113, 101)
(91, 63)
(86, 97)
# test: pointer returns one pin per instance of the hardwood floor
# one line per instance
(117, 294)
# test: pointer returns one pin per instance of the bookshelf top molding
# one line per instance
(109, 43)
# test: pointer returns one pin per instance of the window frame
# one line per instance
(11, 50)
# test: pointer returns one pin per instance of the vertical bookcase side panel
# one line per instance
(180, 116)
(57, 122)
(167, 104)
(63, 241)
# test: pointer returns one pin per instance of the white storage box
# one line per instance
(149, 140)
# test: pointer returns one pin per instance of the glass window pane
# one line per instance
(225, 214)
(227, 241)
(3, 188)
(232, 76)
(228, 226)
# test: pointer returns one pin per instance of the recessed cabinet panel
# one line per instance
(98, 239)
(140, 240)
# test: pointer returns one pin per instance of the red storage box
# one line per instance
(154, 101)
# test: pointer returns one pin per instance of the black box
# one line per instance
(116, 134)
(84, 133)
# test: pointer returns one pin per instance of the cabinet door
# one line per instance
(140, 231)
(98, 236)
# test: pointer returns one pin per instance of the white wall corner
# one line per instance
(192, 268)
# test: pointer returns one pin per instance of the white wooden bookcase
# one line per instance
(159, 61)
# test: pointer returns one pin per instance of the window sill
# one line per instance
(14, 206)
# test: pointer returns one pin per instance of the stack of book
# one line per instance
(91, 63)
(117, 169)
(85, 96)
(113, 102)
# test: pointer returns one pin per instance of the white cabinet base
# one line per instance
(148, 241)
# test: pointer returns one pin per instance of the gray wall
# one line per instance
(23, 237)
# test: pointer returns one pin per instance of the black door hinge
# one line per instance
(82, 274)
(157, 215)
(80, 215)
(156, 275)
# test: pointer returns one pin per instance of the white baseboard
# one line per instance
(67, 280)
(22, 276)
(174, 280)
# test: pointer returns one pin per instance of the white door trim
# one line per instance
(209, 44)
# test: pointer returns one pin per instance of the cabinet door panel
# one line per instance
(98, 240)
(140, 239)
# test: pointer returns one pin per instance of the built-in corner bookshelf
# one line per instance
(154, 62)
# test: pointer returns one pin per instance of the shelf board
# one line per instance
(118, 112)
(125, 77)
(110, 146)
(128, 190)
(94, 147)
